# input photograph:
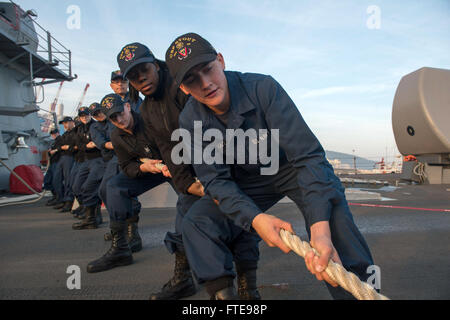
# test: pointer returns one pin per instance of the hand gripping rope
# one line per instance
(158, 166)
(347, 280)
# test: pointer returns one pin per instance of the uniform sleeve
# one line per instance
(185, 175)
(129, 165)
(61, 143)
(70, 139)
(57, 144)
(182, 175)
(219, 184)
(98, 136)
(79, 141)
(319, 185)
(152, 141)
(150, 136)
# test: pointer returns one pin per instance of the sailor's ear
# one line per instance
(221, 60)
(182, 88)
(157, 66)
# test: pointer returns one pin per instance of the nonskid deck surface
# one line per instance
(411, 247)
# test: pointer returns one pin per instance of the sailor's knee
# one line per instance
(188, 226)
(113, 187)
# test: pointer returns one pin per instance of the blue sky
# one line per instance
(341, 74)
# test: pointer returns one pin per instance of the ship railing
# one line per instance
(49, 48)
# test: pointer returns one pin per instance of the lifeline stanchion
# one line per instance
(347, 280)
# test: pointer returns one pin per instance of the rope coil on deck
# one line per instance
(347, 280)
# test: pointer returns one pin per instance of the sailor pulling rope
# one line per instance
(347, 280)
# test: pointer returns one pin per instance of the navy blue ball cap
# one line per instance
(117, 75)
(112, 103)
(186, 52)
(66, 119)
(133, 54)
(83, 111)
(95, 107)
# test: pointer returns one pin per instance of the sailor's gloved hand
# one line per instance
(268, 227)
(321, 241)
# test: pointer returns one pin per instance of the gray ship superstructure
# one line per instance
(30, 58)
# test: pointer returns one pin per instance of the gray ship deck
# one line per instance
(38, 244)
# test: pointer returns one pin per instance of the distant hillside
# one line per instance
(345, 158)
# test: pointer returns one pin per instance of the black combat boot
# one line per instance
(59, 205)
(181, 285)
(133, 237)
(118, 255)
(50, 201)
(78, 211)
(67, 206)
(81, 215)
(222, 289)
(53, 201)
(89, 222)
(98, 214)
(247, 288)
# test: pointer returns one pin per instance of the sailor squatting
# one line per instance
(231, 145)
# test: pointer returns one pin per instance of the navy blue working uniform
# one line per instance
(304, 175)
(78, 160)
(131, 182)
(67, 162)
(100, 134)
(53, 179)
(91, 171)
(161, 116)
